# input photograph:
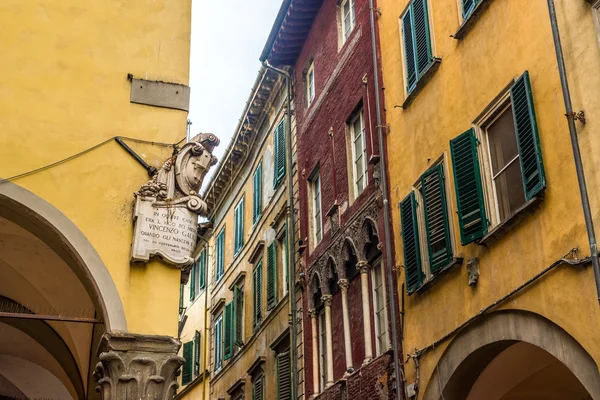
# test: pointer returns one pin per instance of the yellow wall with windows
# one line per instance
(64, 89)
(508, 38)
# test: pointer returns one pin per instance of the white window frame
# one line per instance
(359, 116)
(316, 212)
(309, 83)
(352, 13)
(218, 343)
(378, 268)
(322, 350)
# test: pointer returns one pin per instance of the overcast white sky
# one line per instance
(227, 39)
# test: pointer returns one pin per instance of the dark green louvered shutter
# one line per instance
(193, 282)
(410, 243)
(197, 353)
(257, 291)
(188, 354)
(228, 331)
(436, 218)
(180, 299)
(238, 315)
(409, 50)
(279, 159)
(257, 193)
(257, 388)
(421, 32)
(284, 391)
(202, 270)
(532, 168)
(271, 275)
(467, 183)
(220, 256)
(238, 232)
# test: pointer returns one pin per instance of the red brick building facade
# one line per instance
(346, 330)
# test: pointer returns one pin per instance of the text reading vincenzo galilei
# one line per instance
(172, 231)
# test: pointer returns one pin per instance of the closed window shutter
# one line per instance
(257, 291)
(271, 275)
(228, 331)
(220, 254)
(279, 140)
(530, 154)
(188, 354)
(257, 389)
(202, 270)
(238, 311)
(467, 183)
(193, 282)
(409, 50)
(410, 243)
(283, 376)
(257, 194)
(197, 353)
(436, 218)
(421, 32)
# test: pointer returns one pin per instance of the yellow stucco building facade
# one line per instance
(69, 72)
(485, 202)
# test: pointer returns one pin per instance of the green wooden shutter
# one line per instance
(238, 233)
(257, 291)
(530, 154)
(409, 50)
(257, 194)
(188, 354)
(193, 282)
(436, 218)
(467, 7)
(422, 39)
(257, 388)
(228, 331)
(410, 243)
(238, 315)
(202, 270)
(284, 391)
(467, 183)
(272, 275)
(197, 353)
(180, 299)
(220, 256)
(279, 159)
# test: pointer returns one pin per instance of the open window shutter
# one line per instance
(279, 140)
(257, 289)
(532, 168)
(197, 353)
(410, 243)
(202, 270)
(257, 193)
(436, 218)
(257, 389)
(180, 299)
(409, 50)
(271, 275)
(421, 33)
(283, 376)
(228, 332)
(467, 182)
(467, 6)
(238, 310)
(188, 354)
(193, 282)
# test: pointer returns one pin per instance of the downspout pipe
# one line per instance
(386, 210)
(585, 203)
(291, 240)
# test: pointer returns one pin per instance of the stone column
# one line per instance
(364, 280)
(315, 350)
(137, 366)
(326, 298)
(346, 317)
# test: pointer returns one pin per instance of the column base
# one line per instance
(136, 366)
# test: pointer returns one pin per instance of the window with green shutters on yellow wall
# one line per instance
(416, 40)
(272, 275)
(220, 255)
(238, 233)
(279, 154)
(257, 202)
(257, 294)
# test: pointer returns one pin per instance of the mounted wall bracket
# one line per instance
(159, 94)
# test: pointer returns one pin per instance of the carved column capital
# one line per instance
(363, 267)
(326, 299)
(343, 285)
(312, 313)
(136, 366)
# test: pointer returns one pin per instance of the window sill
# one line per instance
(508, 224)
(471, 19)
(428, 284)
(435, 64)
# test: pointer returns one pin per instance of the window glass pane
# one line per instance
(506, 169)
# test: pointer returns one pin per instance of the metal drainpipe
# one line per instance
(290, 232)
(386, 211)
(585, 203)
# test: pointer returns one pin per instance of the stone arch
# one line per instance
(369, 239)
(347, 252)
(332, 274)
(314, 286)
(43, 220)
(478, 344)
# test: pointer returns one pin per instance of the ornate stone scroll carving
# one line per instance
(168, 205)
(137, 367)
